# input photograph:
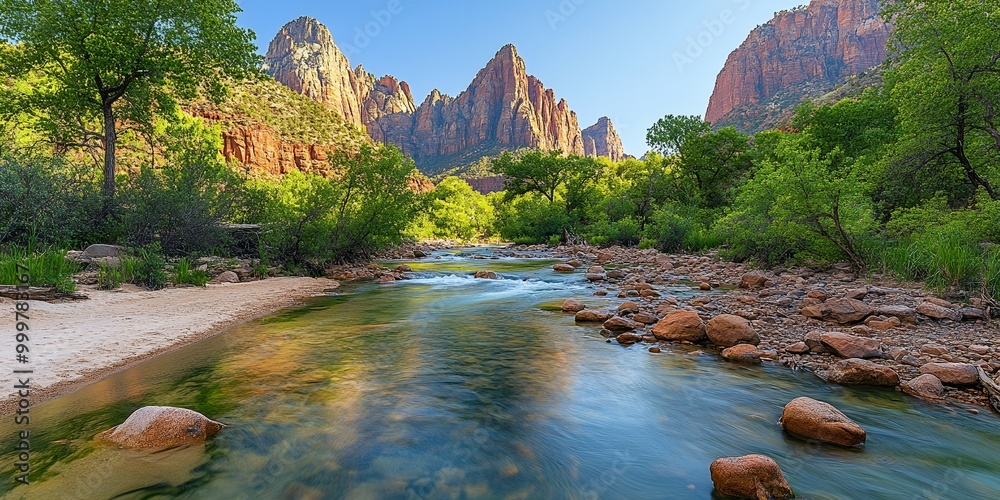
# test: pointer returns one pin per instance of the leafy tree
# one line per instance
(669, 134)
(947, 88)
(120, 61)
(715, 162)
(456, 211)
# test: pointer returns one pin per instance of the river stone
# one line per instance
(798, 348)
(563, 268)
(955, 374)
(926, 386)
(620, 324)
(856, 371)
(811, 419)
(594, 276)
(570, 305)
(646, 319)
(629, 338)
(226, 277)
(96, 251)
(743, 353)
(592, 316)
(937, 311)
(751, 476)
(755, 279)
(628, 308)
(727, 330)
(419, 254)
(486, 275)
(844, 311)
(905, 314)
(681, 325)
(161, 427)
(851, 346)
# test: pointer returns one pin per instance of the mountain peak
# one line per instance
(601, 139)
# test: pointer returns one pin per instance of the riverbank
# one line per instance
(74, 344)
(908, 329)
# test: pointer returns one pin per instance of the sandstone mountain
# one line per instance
(503, 108)
(601, 139)
(801, 53)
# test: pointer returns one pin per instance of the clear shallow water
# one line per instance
(449, 387)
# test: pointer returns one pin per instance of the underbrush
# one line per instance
(46, 268)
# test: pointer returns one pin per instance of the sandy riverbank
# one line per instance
(74, 344)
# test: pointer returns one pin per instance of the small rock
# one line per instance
(615, 274)
(563, 268)
(842, 311)
(96, 251)
(979, 349)
(594, 277)
(937, 311)
(934, 350)
(418, 254)
(728, 330)
(973, 314)
(570, 305)
(954, 374)
(161, 427)
(755, 279)
(620, 324)
(850, 346)
(628, 308)
(655, 350)
(575, 263)
(856, 294)
(811, 419)
(926, 386)
(798, 348)
(403, 268)
(862, 372)
(751, 476)
(903, 313)
(226, 277)
(704, 287)
(486, 275)
(596, 270)
(386, 280)
(591, 316)
(743, 353)
(629, 338)
(646, 319)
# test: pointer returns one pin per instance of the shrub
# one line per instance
(149, 270)
(184, 274)
(46, 268)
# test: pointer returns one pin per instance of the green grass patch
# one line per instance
(46, 268)
(184, 274)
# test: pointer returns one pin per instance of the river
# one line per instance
(444, 386)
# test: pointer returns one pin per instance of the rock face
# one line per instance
(801, 53)
(601, 139)
(812, 419)
(161, 427)
(752, 476)
(503, 108)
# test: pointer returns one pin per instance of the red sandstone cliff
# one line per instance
(801, 53)
(601, 139)
(503, 109)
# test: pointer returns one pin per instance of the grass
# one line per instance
(949, 262)
(185, 275)
(47, 268)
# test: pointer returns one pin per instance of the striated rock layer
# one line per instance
(503, 108)
(601, 139)
(801, 53)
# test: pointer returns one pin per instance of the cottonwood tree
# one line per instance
(947, 87)
(110, 62)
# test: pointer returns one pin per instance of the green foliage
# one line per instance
(713, 164)
(530, 218)
(118, 61)
(45, 200)
(46, 268)
(110, 276)
(454, 211)
(946, 86)
(185, 274)
(668, 135)
(311, 220)
(149, 268)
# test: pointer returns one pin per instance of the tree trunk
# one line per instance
(110, 139)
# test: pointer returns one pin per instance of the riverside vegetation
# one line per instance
(897, 180)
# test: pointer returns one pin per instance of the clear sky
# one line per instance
(632, 60)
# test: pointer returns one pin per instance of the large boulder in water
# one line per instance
(681, 325)
(752, 476)
(161, 427)
(811, 419)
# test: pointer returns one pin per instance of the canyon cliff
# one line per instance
(601, 139)
(801, 53)
(503, 109)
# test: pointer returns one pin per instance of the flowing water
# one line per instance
(448, 387)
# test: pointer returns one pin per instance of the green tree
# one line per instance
(456, 211)
(715, 162)
(947, 88)
(120, 61)
(669, 133)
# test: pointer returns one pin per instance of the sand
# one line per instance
(74, 344)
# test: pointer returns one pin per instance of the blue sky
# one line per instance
(632, 60)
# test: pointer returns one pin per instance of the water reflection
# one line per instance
(450, 387)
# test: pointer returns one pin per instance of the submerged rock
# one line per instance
(811, 419)
(751, 476)
(486, 275)
(161, 427)
(592, 316)
(570, 305)
(743, 353)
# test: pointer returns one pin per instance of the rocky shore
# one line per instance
(845, 328)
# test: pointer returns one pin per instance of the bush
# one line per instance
(149, 270)
(530, 219)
